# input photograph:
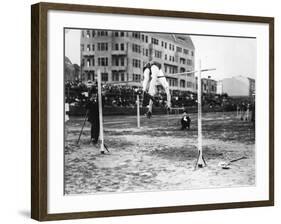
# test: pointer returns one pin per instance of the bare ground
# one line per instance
(159, 156)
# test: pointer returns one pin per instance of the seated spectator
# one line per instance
(185, 121)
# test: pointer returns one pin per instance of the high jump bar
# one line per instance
(189, 72)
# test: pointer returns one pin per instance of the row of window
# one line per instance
(136, 63)
(164, 44)
(183, 83)
(116, 61)
(182, 60)
(174, 69)
(186, 84)
(89, 47)
(104, 77)
(189, 62)
(118, 47)
(136, 77)
(120, 61)
(93, 33)
(179, 49)
(101, 33)
(136, 48)
(103, 46)
(158, 54)
(154, 41)
(136, 35)
(172, 47)
(118, 34)
(117, 76)
(170, 69)
(171, 58)
(120, 76)
(145, 52)
(103, 61)
(206, 87)
(172, 82)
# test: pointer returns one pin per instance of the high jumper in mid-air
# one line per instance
(152, 73)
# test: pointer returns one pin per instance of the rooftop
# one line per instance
(177, 38)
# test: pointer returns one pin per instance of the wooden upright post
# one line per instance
(200, 160)
(138, 110)
(100, 112)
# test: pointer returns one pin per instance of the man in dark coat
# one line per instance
(243, 108)
(253, 119)
(93, 117)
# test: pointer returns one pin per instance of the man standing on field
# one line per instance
(93, 117)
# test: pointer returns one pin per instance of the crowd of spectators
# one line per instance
(76, 93)
(120, 96)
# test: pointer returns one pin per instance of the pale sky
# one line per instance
(72, 45)
(229, 55)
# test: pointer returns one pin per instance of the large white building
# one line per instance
(121, 57)
(237, 86)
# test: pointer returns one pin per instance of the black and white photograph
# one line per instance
(148, 111)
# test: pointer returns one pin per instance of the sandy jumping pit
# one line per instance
(159, 157)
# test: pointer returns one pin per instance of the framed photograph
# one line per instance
(139, 111)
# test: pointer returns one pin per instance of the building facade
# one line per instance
(121, 56)
(208, 85)
(252, 87)
(219, 87)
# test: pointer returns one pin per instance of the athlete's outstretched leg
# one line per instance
(152, 87)
(145, 83)
(148, 114)
(165, 85)
(145, 87)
